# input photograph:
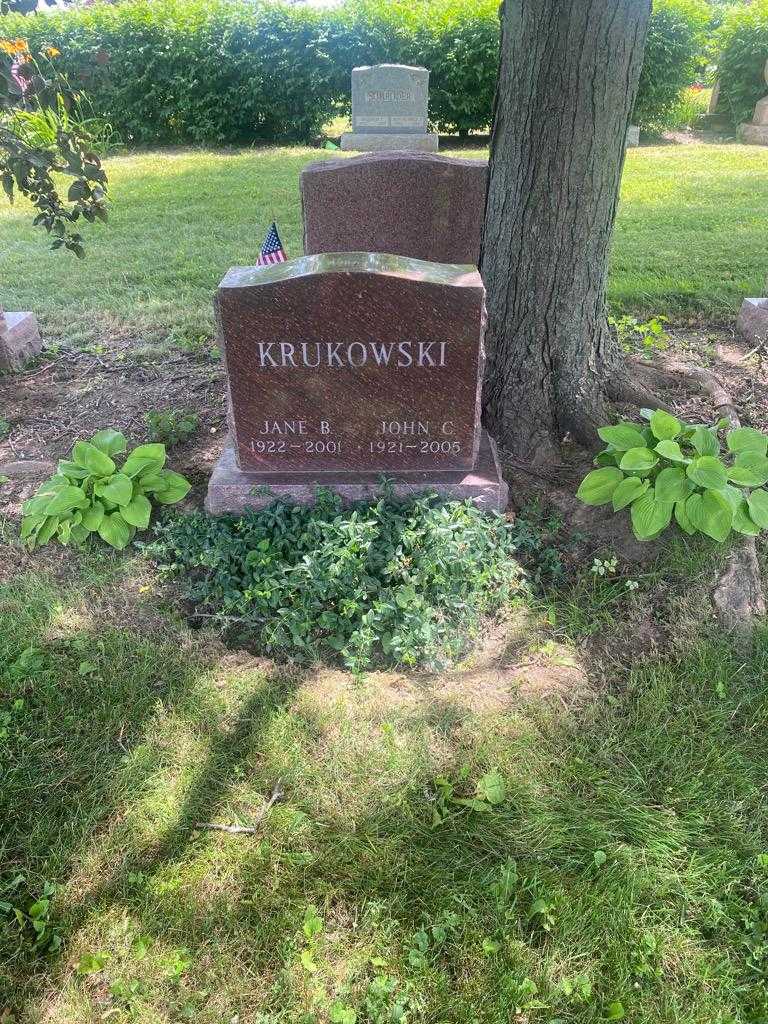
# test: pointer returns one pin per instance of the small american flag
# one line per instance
(272, 251)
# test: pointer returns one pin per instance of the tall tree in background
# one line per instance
(40, 140)
(568, 76)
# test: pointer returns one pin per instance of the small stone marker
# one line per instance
(752, 322)
(344, 367)
(389, 109)
(19, 339)
(421, 205)
(757, 131)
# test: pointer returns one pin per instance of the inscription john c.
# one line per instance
(399, 355)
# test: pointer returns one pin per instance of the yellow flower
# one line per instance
(51, 51)
(14, 47)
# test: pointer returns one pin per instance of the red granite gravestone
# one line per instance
(411, 204)
(344, 367)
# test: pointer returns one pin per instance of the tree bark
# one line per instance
(568, 76)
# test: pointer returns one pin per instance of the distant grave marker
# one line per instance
(389, 109)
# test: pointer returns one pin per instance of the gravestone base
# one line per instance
(633, 136)
(372, 142)
(19, 340)
(236, 490)
(756, 134)
(752, 322)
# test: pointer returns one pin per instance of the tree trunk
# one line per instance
(568, 76)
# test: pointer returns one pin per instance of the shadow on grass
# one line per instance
(668, 783)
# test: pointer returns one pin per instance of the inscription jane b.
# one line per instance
(356, 354)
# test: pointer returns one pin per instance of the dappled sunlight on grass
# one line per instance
(620, 864)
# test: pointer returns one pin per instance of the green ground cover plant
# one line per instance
(669, 468)
(401, 582)
(91, 493)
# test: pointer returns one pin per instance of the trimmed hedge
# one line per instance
(232, 71)
(743, 40)
(676, 39)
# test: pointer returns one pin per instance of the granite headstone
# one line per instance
(420, 205)
(389, 109)
(344, 367)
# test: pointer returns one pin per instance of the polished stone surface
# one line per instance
(20, 339)
(752, 322)
(370, 142)
(353, 362)
(410, 204)
(390, 98)
(235, 490)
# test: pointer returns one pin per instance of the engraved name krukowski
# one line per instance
(313, 354)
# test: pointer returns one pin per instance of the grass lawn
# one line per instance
(690, 238)
(624, 876)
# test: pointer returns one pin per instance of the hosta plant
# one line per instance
(102, 490)
(671, 470)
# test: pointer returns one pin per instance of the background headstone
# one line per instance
(411, 204)
(344, 367)
(389, 109)
(19, 339)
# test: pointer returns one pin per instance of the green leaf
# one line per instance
(607, 458)
(93, 516)
(733, 495)
(757, 502)
(111, 442)
(671, 485)
(137, 512)
(492, 788)
(615, 1011)
(664, 426)
(743, 522)
(750, 469)
(670, 450)
(649, 516)
(623, 436)
(72, 470)
(115, 531)
(711, 513)
(707, 471)
(682, 520)
(705, 442)
(118, 489)
(597, 487)
(143, 457)
(747, 439)
(178, 487)
(638, 460)
(628, 490)
(65, 499)
(89, 457)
